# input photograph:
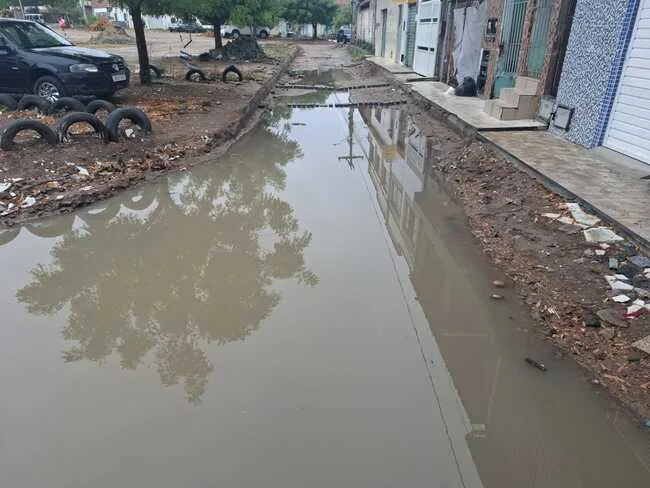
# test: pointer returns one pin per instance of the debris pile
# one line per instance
(241, 48)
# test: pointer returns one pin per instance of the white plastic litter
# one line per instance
(4, 186)
(28, 202)
(82, 171)
(581, 216)
(552, 216)
(621, 299)
(600, 252)
(601, 234)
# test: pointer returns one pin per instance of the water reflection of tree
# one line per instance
(197, 269)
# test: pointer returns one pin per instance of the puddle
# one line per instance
(310, 310)
(330, 77)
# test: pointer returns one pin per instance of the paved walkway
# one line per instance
(607, 182)
(468, 109)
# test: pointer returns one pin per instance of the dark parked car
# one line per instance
(192, 27)
(34, 58)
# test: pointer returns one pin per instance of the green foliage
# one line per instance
(310, 11)
(343, 16)
(256, 12)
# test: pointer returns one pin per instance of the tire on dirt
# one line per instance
(32, 101)
(10, 132)
(135, 115)
(189, 76)
(67, 104)
(155, 70)
(231, 69)
(66, 122)
(8, 101)
(97, 105)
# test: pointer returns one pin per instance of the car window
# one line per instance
(31, 36)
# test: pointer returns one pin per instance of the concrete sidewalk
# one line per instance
(606, 182)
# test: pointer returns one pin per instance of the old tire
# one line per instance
(29, 102)
(49, 88)
(154, 70)
(231, 69)
(67, 104)
(66, 122)
(8, 101)
(10, 132)
(195, 75)
(97, 105)
(135, 115)
(263, 34)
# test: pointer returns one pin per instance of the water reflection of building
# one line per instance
(396, 150)
(418, 218)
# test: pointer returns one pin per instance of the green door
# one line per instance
(411, 23)
(512, 29)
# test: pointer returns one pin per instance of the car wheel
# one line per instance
(49, 88)
(236, 34)
(264, 35)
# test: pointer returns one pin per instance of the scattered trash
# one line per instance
(4, 186)
(635, 311)
(600, 252)
(536, 364)
(498, 283)
(640, 261)
(643, 345)
(638, 302)
(82, 171)
(621, 299)
(28, 202)
(590, 319)
(497, 297)
(613, 317)
(580, 216)
(605, 246)
(552, 216)
(613, 263)
(601, 234)
(617, 284)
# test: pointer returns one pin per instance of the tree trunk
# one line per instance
(314, 33)
(216, 29)
(141, 44)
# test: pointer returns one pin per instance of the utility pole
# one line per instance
(350, 157)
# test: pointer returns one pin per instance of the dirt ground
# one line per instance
(558, 275)
(190, 120)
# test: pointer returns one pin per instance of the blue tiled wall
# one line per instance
(596, 51)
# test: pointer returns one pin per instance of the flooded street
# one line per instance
(309, 311)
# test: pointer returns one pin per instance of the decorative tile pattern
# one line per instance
(592, 53)
(617, 70)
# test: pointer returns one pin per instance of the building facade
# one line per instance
(604, 89)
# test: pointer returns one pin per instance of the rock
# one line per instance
(641, 281)
(590, 319)
(612, 316)
(499, 284)
(621, 299)
(536, 364)
(613, 263)
(643, 345)
(639, 261)
(627, 269)
(601, 234)
(608, 333)
(589, 252)
(642, 292)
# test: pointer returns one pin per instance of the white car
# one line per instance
(235, 32)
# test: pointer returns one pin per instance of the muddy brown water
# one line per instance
(310, 311)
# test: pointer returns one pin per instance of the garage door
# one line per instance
(426, 37)
(629, 123)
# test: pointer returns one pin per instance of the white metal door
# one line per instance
(629, 123)
(426, 37)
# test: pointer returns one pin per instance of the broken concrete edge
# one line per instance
(233, 132)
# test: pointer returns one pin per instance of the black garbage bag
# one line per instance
(467, 88)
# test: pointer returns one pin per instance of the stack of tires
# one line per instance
(74, 112)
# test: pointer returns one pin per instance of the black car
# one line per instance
(35, 59)
(192, 27)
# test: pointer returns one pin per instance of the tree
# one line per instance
(136, 8)
(216, 12)
(256, 13)
(343, 16)
(312, 12)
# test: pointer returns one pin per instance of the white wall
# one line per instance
(391, 29)
(365, 25)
